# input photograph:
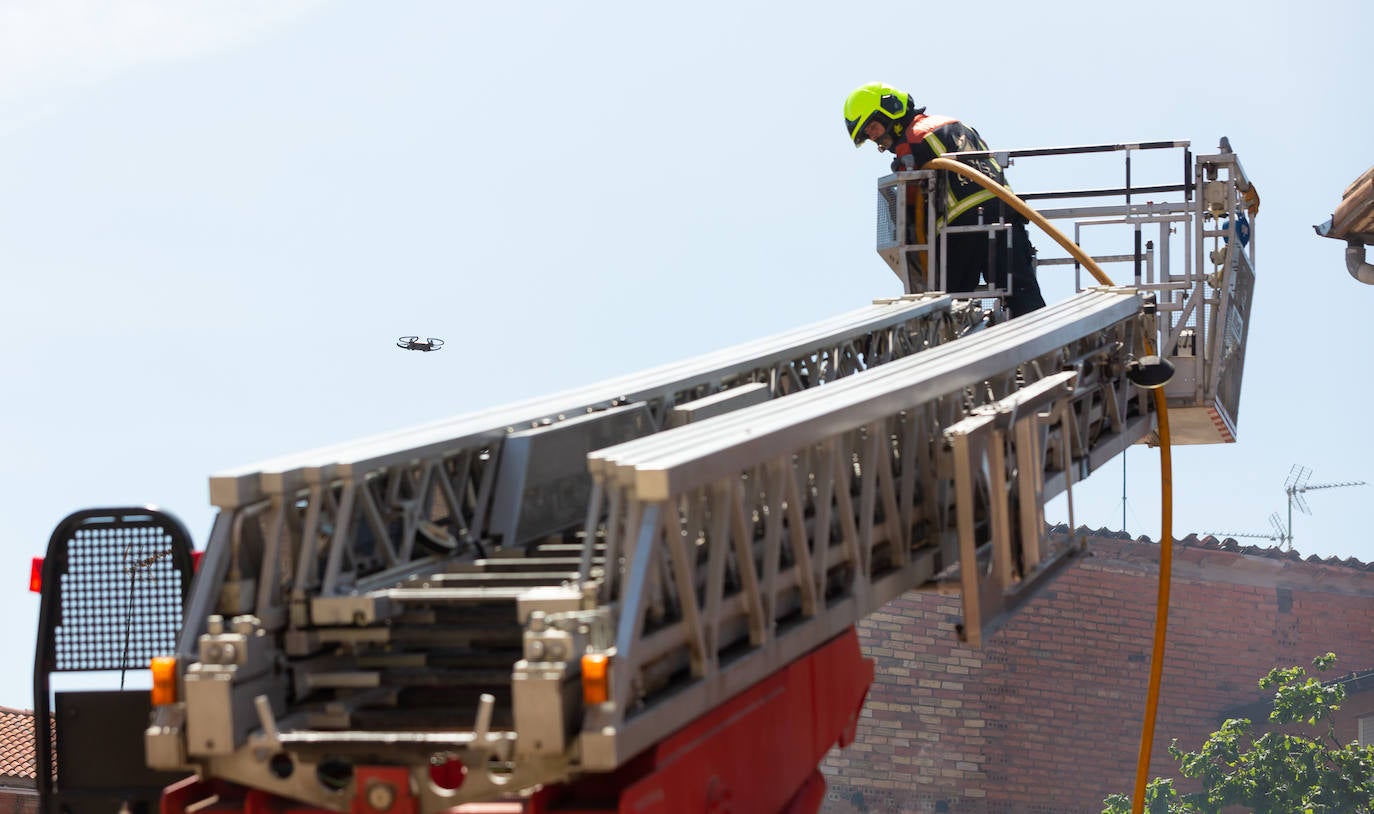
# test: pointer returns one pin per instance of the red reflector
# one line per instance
(196, 557)
(36, 575)
(447, 773)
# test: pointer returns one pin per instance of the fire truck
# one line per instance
(641, 595)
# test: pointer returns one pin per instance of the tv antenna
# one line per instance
(1296, 486)
(1278, 535)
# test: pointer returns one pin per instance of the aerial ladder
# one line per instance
(641, 595)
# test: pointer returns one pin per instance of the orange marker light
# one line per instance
(596, 682)
(36, 575)
(164, 680)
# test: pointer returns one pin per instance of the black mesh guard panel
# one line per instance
(121, 595)
(115, 582)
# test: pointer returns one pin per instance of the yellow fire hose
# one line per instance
(1166, 478)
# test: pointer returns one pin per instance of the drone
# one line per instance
(416, 343)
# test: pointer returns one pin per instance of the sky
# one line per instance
(216, 218)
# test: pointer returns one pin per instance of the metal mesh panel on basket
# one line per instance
(887, 217)
(1232, 357)
(121, 596)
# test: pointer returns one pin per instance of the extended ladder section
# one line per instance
(357, 602)
(541, 593)
(303, 534)
(747, 541)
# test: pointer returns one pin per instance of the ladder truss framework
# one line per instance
(345, 590)
(305, 532)
(540, 593)
(746, 542)
(712, 555)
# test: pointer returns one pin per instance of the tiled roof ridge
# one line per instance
(1211, 542)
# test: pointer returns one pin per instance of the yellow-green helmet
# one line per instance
(877, 100)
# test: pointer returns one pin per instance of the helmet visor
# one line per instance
(855, 132)
(877, 129)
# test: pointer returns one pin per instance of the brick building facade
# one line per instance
(1046, 717)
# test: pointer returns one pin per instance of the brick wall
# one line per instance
(18, 800)
(1046, 717)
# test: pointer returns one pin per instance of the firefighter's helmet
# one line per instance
(880, 102)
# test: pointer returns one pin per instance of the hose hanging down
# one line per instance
(1166, 546)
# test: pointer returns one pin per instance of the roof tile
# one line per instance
(1230, 544)
(16, 743)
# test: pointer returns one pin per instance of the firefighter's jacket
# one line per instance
(927, 137)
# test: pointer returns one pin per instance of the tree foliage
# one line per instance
(1295, 764)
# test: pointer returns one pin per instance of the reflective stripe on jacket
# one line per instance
(930, 136)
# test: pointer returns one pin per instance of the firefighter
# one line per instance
(890, 119)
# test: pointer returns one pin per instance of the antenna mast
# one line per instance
(1295, 486)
